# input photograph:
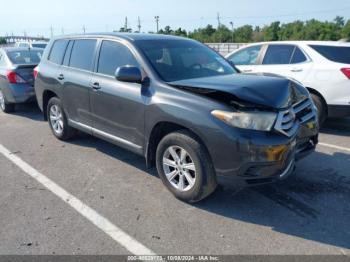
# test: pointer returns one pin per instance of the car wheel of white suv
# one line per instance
(321, 109)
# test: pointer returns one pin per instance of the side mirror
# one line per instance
(131, 74)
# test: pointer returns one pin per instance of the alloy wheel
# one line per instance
(179, 168)
(56, 119)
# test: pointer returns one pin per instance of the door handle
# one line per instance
(296, 70)
(96, 86)
(60, 77)
(247, 70)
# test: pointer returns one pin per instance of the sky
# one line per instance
(37, 17)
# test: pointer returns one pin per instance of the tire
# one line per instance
(58, 121)
(197, 158)
(4, 105)
(321, 109)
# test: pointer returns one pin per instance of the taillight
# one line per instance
(14, 78)
(35, 72)
(346, 72)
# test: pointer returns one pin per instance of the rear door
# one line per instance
(75, 76)
(117, 107)
(246, 59)
(286, 60)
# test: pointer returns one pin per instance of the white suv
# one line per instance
(323, 67)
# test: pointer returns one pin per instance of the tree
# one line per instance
(339, 21)
(168, 30)
(180, 32)
(346, 30)
(244, 34)
(297, 30)
(2, 41)
(292, 31)
(271, 33)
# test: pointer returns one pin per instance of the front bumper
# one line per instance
(246, 157)
(278, 164)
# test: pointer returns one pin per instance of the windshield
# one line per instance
(39, 45)
(21, 57)
(183, 59)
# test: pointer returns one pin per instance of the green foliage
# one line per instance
(297, 30)
(272, 32)
(2, 41)
(243, 34)
(346, 30)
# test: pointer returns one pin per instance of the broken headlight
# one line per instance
(262, 121)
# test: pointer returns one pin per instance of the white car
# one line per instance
(322, 67)
(35, 44)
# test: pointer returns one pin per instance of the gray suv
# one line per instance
(179, 104)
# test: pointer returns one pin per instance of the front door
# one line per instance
(117, 108)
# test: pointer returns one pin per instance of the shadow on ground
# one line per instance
(313, 204)
(30, 111)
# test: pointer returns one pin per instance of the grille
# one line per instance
(288, 121)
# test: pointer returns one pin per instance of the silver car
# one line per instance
(17, 76)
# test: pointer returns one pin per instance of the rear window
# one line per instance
(57, 51)
(83, 54)
(339, 54)
(39, 45)
(25, 57)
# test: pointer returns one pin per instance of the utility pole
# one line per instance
(218, 18)
(139, 24)
(126, 25)
(62, 31)
(51, 30)
(233, 35)
(157, 22)
(84, 29)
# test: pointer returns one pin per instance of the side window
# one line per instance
(57, 51)
(112, 56)
(83, 54)
(247, 56)
(278, 54)
(298, 56)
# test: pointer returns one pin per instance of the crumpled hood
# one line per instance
(267, 90)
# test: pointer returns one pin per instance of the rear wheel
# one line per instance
(185, 167)
(321, 108)
(58, 120)
(4, 105)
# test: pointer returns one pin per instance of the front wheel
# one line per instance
(58, 120)
(185, 167)
(4, 105)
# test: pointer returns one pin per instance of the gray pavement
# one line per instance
(306, 214)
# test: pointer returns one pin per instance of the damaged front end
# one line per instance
(279, 124)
